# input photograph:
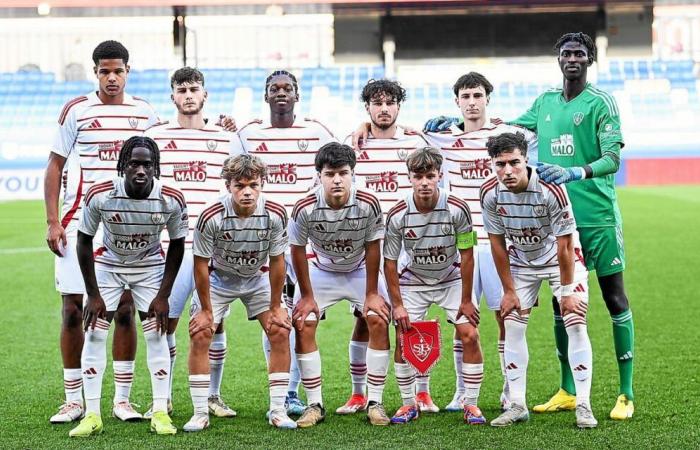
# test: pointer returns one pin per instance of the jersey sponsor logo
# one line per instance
(563, 145)
(157, 218)
(363, 156)
(342, 246)
(578, 118)
(282, 173)
(211, 145)
(477, 169)
(432, 255)
(133, 122)
(191, 171)
(137, 241)
(402, 153)
(249, 258)
(171, 146)
(303, 144)
(109, 151)
(538, 210)
(526, 236)
(384, 182)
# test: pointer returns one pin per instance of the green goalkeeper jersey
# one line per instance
(576, 133)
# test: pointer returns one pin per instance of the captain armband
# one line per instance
(465, 241)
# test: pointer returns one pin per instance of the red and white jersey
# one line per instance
(94, 132)
(132, 227)
(467, 163)
(381, 165)
(531, 221)
(289, 154)
(337, 236)
(191, 161)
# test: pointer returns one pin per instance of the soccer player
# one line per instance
(233, 241)
(344, 226)
(533, 238)
(91, 129)
(133, 210)
(193, 150)
(381, 168)
(579, 143)
(287, 145)
(428, 259)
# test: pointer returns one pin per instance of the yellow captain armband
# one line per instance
(465, 241)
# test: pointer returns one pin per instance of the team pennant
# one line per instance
(420, 346)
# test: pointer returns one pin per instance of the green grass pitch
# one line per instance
(662, 245)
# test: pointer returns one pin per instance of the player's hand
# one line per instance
(439, 123)
(202, 321)
(360, 135)
(94, 309)
(159, 309)
(304, 307)
(509, 303)
(401, 318)
(468, 310)
(228, 123)
(375, 302)
(551, 173)
(278, 316)
(573, 304)
(56, 238)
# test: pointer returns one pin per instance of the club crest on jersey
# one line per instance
(190, 171)
(402, 153)
(477, 169)
(263, 234)
(354, 223)
(303, 144)
(563, 145)
(138, 241)
(578, 118)
(526, 236)
(134, 122)
(282, 173)
(384, 182)
(249, 258)
(157, 218)
(539, 210)
(211, 145)
(446, 228)
(109, 151)
(339, 246)
(431, 255)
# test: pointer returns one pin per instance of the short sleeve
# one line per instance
(561, 215)
(178, 223)
(205, 236)
(278, 235)
(609, 130)
(529, 118)
(393, 238)
(298, 228)
(66, 134)
(375, 229)
(90, 217)
(493, 224)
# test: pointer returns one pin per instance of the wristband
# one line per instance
(465, 241)
(567, 290)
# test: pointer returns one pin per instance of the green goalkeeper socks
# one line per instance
(562, 340)
(623, 335)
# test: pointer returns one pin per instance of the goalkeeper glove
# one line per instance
(439, 123)
(551, 173)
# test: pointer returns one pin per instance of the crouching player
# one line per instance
(344, 226)
(533, 238)
(233, 240)
(133, 210)
(429, 259)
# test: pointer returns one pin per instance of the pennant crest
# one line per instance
(420, 346)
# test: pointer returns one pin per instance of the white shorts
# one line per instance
(254, 292)
(486, 279)
(448, 298)
(527, 285)
(332, 287)
(143, 286)
(69, 278)
(182, 287)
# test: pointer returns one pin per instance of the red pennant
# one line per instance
(420, 346)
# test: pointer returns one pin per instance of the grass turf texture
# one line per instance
(661, 256)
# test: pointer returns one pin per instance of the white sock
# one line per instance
(73, 385)
(358, 366)
(217, 356)
(423, 383)
(158, 361)
(580, 356)
(278, 383)
(123, 378)
(310, 368)
(457, 353)
(501, 358)
(93, 361)
(516, 356)
(473, 376)
(199, 391)
(294, 373)
(172, 347)
(406, 379)
(377, 367)
(267, 348)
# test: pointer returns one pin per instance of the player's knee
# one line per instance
(278, 336)
(376, 324)
(124, 316)
(616, 302)
(201, 340)
(469, 337)
(72, 314)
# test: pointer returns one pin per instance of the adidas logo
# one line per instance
(363, 156)
(579, 288)
(94, 124)
(580, 368)
(171, 146)
(458, 144)
(319, 227)
(548, 118)
(227, 237)
(502, 211)
(511, 366)
(162, 373)
(91, 372)
(410, 234)
(262, 148)
(627, 356)
(115, 219)
(616, 261)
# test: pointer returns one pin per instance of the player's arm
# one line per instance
(204, 320)
(159, 307)
(55, 234)
(374, 301)
(278, 315)
(399, 313)
(529, 118)
(510, 301)
(94, 306)
(466, 268)
(306, 304)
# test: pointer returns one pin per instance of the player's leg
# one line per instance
(357, 351)
(123, 356)
(217, 357)
(423, 399)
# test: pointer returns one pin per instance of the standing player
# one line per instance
(533, 238)
(287, 145)
(233, 241)
(91, 129)
(133, 210)
(580, 139)
(193, 151)
(344, 226)
(381, 168)
(428, 259)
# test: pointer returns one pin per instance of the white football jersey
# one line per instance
(467, 163)
(425, 245)
(132, 227)
(530, 221)
(289, 154)
(241, 245)
(337, 236)
(191, 161)
(381, 165)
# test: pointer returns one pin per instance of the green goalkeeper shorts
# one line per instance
(603, 249)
